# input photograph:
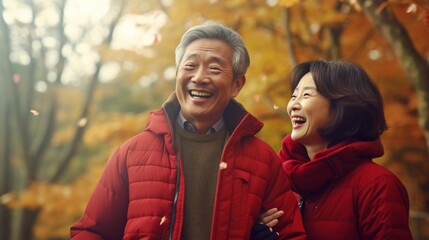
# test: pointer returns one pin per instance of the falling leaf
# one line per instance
(34, 112)
(412, 8)
(223, 165)
(82, 122)
(355, 5)
(163, 219)
(7, 198)
(257, 98)
(16, 78)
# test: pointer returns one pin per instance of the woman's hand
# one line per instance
(263, 230)
(260, 231)
(270, 217)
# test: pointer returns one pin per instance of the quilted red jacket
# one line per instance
(346, 195)
(141, 192)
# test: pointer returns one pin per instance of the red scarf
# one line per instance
(307, 176)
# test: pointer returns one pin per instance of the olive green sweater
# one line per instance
(201, 154)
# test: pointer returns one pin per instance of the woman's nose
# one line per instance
(294, 105)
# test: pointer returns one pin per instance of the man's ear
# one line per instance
(238, 85)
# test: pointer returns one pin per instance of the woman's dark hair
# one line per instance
(356, 103)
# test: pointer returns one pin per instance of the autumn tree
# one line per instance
(381, 15)
(388, 38)
(384, 37)
(45, 56)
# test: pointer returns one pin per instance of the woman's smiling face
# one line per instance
(205, 81)
(309, 111)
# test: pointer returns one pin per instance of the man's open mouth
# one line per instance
(199, 94)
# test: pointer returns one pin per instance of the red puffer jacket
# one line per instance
(141, 192)
(346, 195)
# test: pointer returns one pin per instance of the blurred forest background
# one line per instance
(78, 77)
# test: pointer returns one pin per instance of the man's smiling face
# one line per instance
(205, 81)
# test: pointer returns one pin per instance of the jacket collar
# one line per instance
(335, 162)
(237, 119)
(348, 149)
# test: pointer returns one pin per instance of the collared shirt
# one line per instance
(189, 127)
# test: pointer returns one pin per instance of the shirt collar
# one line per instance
(189, 127)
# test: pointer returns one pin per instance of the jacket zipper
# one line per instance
(176, 191)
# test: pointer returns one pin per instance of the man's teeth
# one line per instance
(200, 94)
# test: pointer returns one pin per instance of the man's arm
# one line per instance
(280, 196)
(106, 212)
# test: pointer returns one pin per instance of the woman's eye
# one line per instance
(307, 94)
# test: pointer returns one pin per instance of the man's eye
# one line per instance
(215, 69)
(189, 66)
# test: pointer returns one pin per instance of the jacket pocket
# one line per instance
(240, 195)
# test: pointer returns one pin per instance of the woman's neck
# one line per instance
(315, 148)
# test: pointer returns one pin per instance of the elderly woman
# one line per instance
(337, 118)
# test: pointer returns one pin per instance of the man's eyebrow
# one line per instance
(190, 56)
(215, 59)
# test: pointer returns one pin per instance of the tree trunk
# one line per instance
(5, 175)
(29, 220)
(414, 65)
(5, 132)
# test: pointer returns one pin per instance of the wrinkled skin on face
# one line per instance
(205, 82)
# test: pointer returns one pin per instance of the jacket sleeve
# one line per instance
(280, 196)
(384, 209)
(106, 212)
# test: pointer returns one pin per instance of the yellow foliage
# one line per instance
(62, 204)
(64, 135)
(265, 94)
(234, 3)
(288, 3)
(114, 126)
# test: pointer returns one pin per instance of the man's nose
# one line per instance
(200, 76)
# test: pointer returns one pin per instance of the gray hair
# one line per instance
(214, 30)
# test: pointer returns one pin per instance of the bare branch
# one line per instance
(10, 87)
(288, 38)
(84, 114)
